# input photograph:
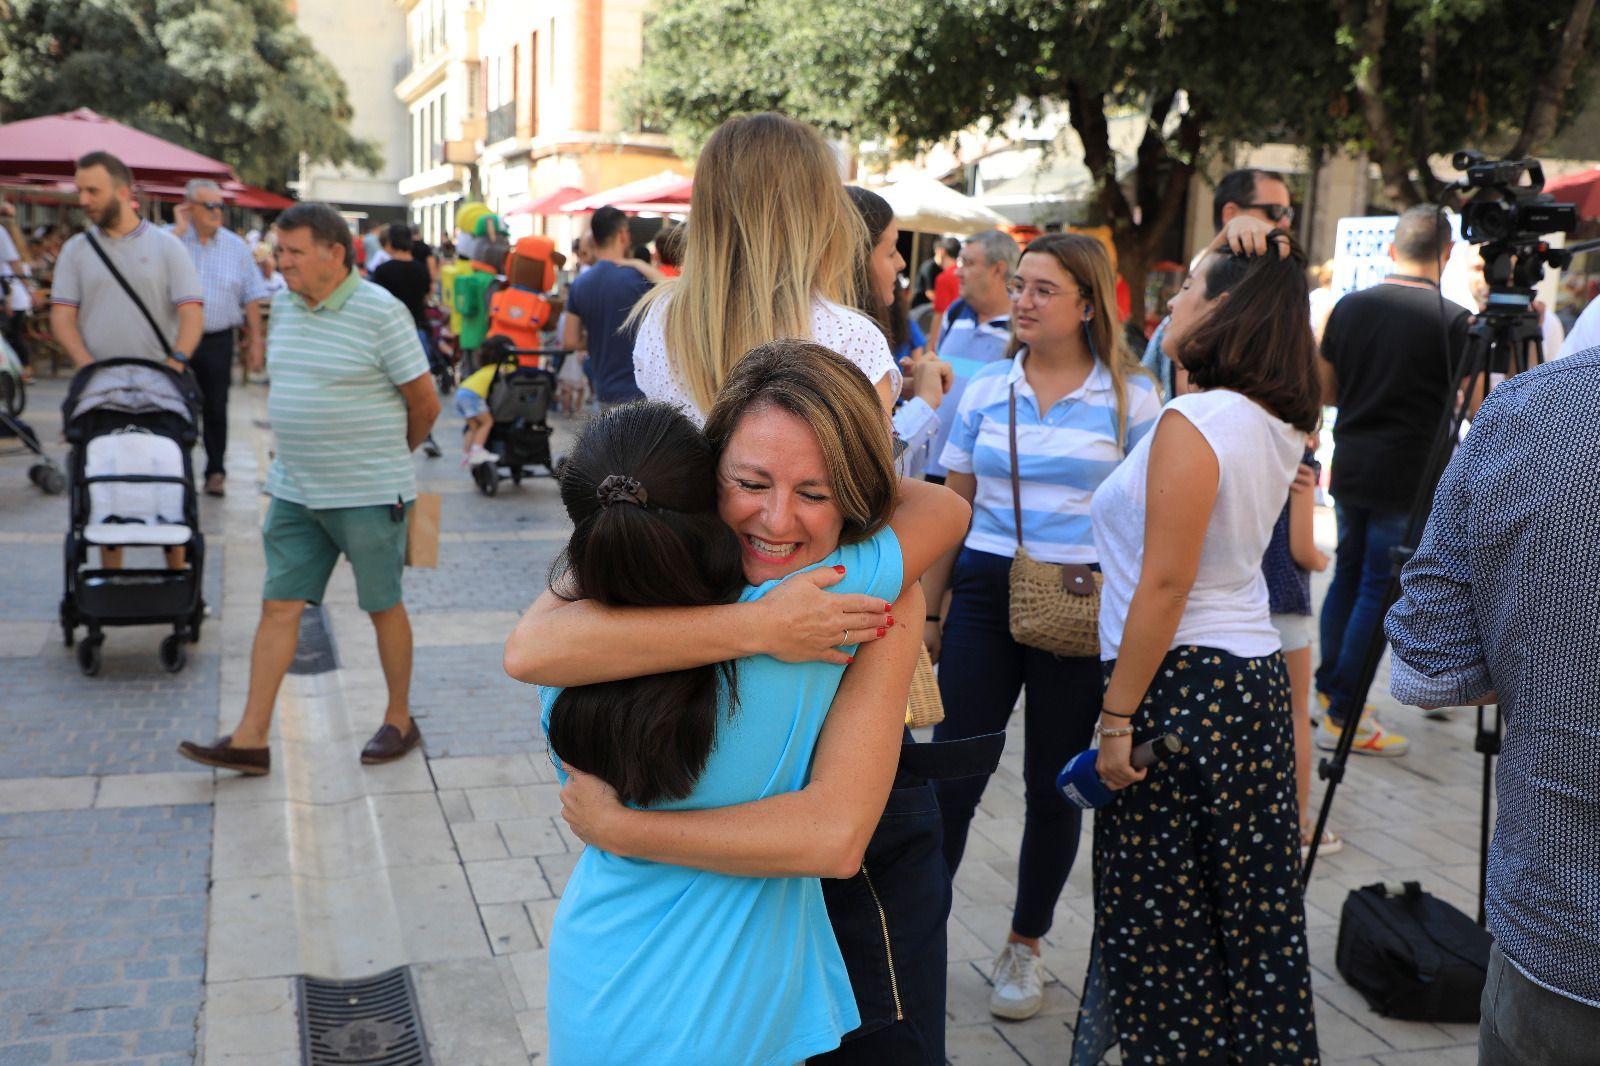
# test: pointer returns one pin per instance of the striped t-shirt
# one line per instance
(335, 404)
(1062, 454)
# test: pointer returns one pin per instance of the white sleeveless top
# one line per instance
(1257, 456)
(834, 326)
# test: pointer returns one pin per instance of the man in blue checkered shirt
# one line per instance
(233, 289)
(1502, 603)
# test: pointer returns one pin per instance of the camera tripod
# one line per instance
(1505, 339)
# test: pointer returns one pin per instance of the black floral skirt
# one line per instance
(1200, 933)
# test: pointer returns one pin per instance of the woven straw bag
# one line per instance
(924, 707)
(1055, 607)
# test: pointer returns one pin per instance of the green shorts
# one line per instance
(303, 546)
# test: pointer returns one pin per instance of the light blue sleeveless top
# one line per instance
(671, 966)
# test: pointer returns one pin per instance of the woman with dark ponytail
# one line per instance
(632, 546)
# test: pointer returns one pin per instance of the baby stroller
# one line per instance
(13, 399)
(519, 401)
(131, 425)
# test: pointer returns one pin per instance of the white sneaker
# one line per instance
(1018, 980)
(482, 455)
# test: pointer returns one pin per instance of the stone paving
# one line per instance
(454, 863)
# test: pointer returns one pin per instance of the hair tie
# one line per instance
(617, 488)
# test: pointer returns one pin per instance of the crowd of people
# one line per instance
(786, 491)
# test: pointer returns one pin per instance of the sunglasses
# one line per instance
(1275, 212)
(217, 206)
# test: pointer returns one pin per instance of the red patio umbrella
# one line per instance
(53, 144)
(665, 188)
(248, 196)
(548, 204)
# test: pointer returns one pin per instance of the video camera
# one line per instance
(1504, 209)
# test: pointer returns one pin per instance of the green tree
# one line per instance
(1431, 76)
(233, 79)
(1202, 76)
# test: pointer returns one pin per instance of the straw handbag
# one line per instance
(924, 707)
(1054, 606)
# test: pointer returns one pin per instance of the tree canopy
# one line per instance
(233, 79)
(1399, 79)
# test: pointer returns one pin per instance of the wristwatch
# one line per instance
(178, 357)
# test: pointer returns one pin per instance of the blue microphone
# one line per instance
(1080, 784)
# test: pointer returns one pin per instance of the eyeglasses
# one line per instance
(1275, 212)
(1042, 294)
(214, 205)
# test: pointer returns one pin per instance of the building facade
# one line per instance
(511, 100)
(361, 38)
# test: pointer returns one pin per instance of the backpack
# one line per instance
(1412, 955)
(518, 315)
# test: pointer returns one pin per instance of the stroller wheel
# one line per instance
(89, 655)
(173, 653)
(487, 477)
(48, 478)
(69, 635)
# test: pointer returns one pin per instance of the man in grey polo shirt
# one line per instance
(975, 329)
(351, 398)
(91, 317)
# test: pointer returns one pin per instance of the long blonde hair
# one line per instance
(1089, 265)
(770, 229)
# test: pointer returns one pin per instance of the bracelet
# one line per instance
(1125, 732)
(934, 618)
(1116, 714)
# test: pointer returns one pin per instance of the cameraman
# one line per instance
(1385, 366)
(1499, 605)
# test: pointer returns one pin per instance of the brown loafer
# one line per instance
(215, 485)
(387, 744)
(252, 762)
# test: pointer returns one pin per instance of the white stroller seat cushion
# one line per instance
(123, 533)
(135, 512)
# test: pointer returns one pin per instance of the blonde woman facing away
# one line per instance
(772, 249)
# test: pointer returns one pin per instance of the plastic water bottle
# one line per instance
(1080, 784)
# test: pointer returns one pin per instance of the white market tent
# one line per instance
(923, 204)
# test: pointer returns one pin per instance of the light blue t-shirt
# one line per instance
(672, 966)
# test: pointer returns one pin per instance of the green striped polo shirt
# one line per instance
(335, 402)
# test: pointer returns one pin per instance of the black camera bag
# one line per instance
(1411, 955)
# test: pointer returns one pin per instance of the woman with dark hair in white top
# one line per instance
(1200, 946)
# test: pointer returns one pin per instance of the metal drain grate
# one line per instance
(314, 654)
(371, 1020)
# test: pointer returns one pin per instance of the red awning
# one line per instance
(248, 196)
(664, 188)
(53, 144)
(1582, 189)
(548, 204)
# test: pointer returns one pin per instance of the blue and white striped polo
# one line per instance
(335, 404)
(1062, 456)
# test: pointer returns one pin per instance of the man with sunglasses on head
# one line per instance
(1257, 193)
(233, 289)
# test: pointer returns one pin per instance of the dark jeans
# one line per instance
(212, 363)
(1525, 1023)
(981, 671)
(1354, 607)
(909, 883)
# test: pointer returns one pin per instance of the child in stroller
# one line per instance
(518, 388)
(132, 425)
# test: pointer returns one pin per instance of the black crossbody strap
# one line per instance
(166, 345)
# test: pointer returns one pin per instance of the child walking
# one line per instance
(472, 404)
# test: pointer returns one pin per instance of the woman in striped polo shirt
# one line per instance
(1081, 402)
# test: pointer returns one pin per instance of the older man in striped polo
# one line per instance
(233, 289)
(351, 398)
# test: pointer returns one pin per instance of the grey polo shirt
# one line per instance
(155, 263)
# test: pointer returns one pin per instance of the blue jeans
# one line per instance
(981, 672)
(1354, 607)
